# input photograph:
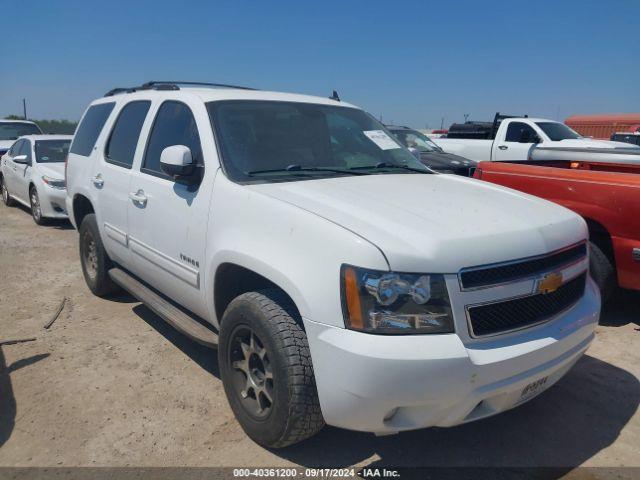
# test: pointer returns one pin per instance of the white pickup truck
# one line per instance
(340, 279)
(509, 139)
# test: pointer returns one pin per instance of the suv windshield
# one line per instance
(557, 131)
(51, 151)
(13, 130)
(277, 141)
(414, 139)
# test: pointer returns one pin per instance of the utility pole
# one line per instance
(466, 115)
(24, 108)
(442, 124)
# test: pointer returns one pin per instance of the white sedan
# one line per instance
(32, 173)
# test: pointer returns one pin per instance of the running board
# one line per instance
(171, 314)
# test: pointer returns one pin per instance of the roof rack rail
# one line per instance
(169, 85)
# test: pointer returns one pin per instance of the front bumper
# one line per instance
(53, 202)
(386, 384)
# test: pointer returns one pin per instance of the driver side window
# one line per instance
(174, 125)
(15, 148)
(519, 132)
(26, 150)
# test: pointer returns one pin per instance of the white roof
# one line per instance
(213, 94)
(35, 138)
(7, 120)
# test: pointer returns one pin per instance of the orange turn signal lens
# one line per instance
(352, 299)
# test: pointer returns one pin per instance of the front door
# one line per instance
(22, 172)
(168, 220)
(518, 140)
(10, 167)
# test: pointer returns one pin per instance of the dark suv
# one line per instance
(431, 154)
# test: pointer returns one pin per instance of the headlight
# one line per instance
(395, 303)
(54, 182)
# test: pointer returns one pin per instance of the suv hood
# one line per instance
(435, 223)
(446, 161)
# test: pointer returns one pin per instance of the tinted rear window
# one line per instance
(89, 129)
(121, 146)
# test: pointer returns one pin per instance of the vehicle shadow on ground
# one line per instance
(7, 400)
(563, 427)
(206, 358)
(623, 308)
(57, 223)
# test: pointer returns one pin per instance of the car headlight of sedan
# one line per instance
(395, 303)
(54, 182)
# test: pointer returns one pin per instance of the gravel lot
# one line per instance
(109, 384)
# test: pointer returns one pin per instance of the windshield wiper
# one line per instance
(299, 169)
(383, 165)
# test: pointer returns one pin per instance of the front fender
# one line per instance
(297, 250)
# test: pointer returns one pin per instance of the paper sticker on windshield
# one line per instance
(381, 139)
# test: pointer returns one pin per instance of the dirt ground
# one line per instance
(109, 384)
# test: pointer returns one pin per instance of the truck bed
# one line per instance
(605, 194)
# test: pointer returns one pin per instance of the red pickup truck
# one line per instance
(606, 195)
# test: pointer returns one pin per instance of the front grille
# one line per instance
(477, 277)
(522, 312)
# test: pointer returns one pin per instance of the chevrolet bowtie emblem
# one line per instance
(549, 283)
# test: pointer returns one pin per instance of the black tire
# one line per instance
(94, 260)
(602, 271)
(293, 412)
(36, 210)
(6, 197)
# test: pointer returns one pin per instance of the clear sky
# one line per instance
(413, 62)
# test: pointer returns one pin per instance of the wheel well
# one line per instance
(81, 208)
(599, 235)
(232, 280)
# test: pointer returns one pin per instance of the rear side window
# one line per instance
(122, 143)
(89, 129)
(174, 125)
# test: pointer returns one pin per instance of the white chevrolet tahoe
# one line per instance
(340, 279)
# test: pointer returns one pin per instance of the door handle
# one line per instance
(503, 147)
(98, 181)
(139, 198)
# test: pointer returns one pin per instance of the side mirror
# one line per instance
(415, 152)
(176, 161)
(20, 159)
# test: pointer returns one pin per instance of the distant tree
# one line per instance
(62, 127)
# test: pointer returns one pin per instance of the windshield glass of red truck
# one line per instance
(282, 141)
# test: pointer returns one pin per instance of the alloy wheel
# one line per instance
(35, 205)
(90, 256)
(252, 372)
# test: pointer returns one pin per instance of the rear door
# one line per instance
(515, 142)
(112, 176)
(168, 220)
